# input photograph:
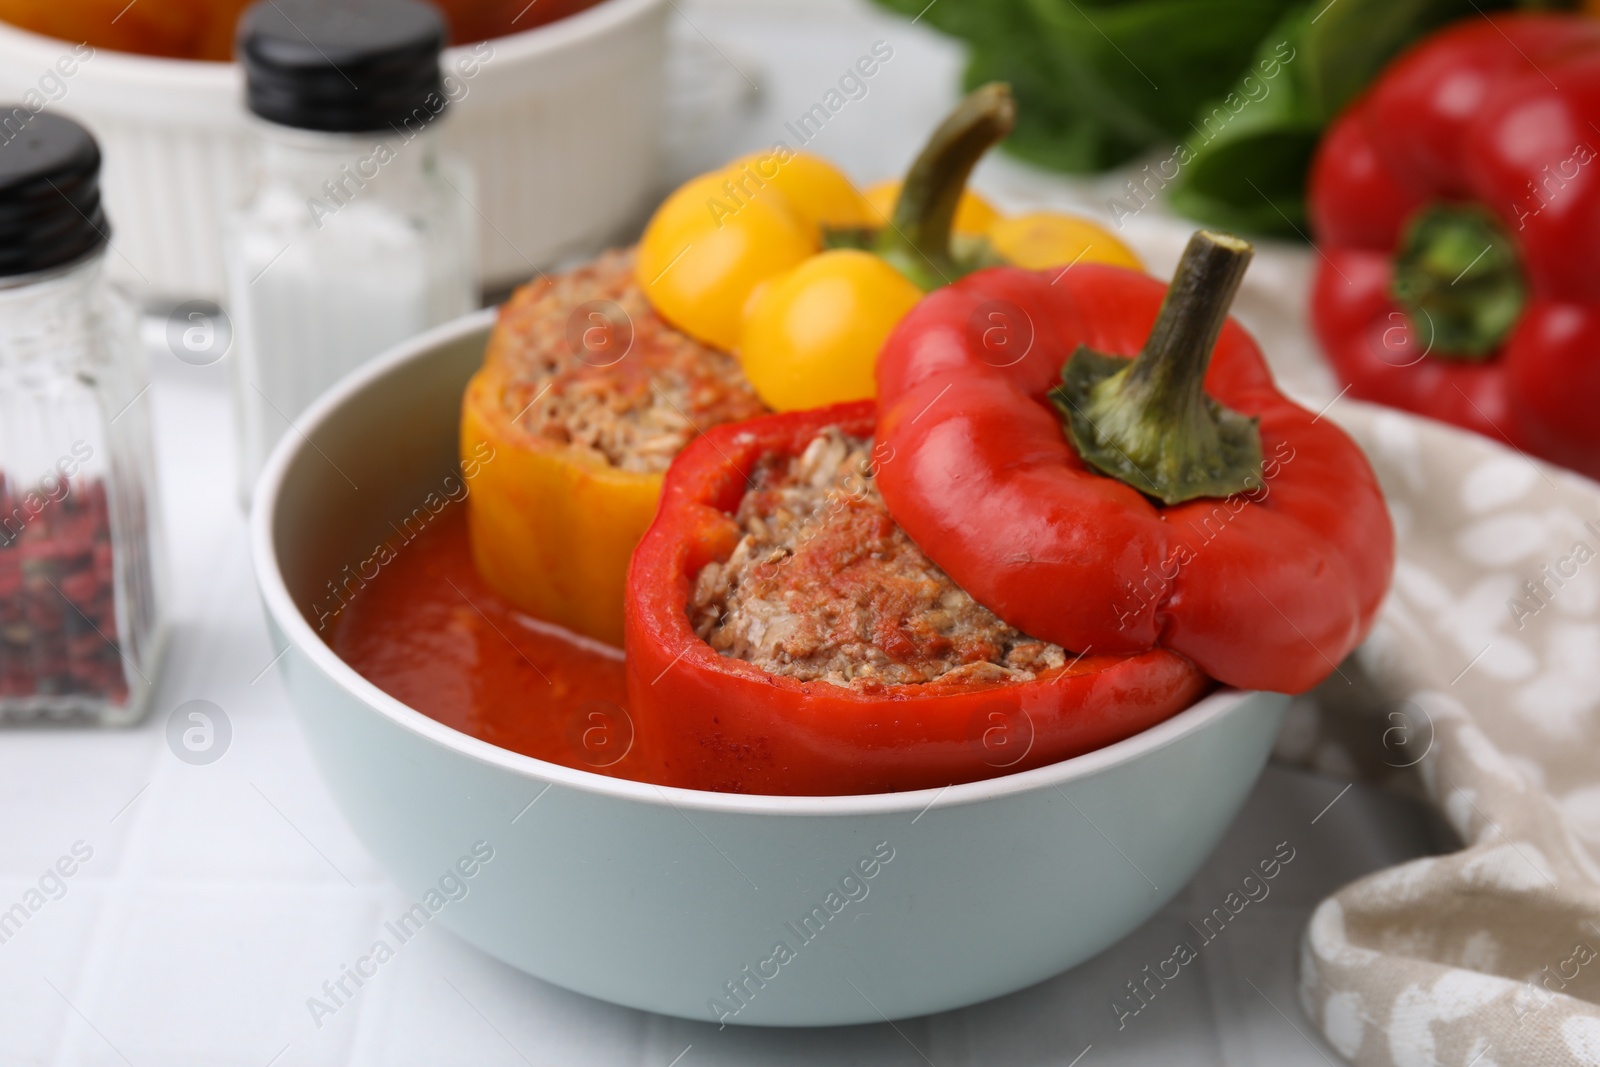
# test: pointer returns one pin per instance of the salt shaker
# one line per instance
(360, 233)
(81, 563)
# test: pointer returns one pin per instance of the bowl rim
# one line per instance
(280, 606)
(209, 73)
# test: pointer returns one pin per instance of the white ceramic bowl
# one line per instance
(655, 898)
(561, 124)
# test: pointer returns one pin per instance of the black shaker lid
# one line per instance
(50, 211)
(342, 65)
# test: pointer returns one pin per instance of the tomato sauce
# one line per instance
(429, 632)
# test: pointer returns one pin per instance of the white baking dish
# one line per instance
(561, 123)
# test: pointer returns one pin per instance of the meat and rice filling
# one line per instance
(561, 342)
(824, 586)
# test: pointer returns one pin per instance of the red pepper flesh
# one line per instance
(1264, 589)
(724, 724)
(1499, 113)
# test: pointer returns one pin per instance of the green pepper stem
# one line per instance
(1149, 422)
(1170, 371)
(917, 239)
(1458, 280)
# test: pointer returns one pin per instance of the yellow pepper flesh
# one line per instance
(700, 256)
(1043, 239)
(813, 188)
(551, 530)
(812, 336)
(974, 214)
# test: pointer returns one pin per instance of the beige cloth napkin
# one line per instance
(1481, 683)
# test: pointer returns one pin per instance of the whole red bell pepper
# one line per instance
(1116, 505)
(1456, 207)
(723, 724)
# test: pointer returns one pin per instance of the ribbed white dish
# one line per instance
(561, 124)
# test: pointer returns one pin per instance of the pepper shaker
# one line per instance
(360, 232)
(81, 567)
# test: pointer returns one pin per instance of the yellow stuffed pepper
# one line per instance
(596, 378)
(585, 396)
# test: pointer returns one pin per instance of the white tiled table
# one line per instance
(219, 898)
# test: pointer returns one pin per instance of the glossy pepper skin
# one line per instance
(1268, 587)
(551, 530)
(1472, 118)
(551, 526)
(726, 725)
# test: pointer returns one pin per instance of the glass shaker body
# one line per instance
(351, 243)
(82, 625)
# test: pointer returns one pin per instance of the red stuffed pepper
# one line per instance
(784, 636)
(1457, 209)
(1175, 501)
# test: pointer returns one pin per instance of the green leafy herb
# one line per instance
(1231, 95)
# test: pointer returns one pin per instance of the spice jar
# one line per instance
(359, 233)
(81, 624)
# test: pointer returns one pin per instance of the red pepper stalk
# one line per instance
(1456, 207)
(724, 724)
(1175, 500)
(1149, 422)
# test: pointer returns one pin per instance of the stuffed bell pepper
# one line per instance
(1123, 476)
(1081, 502)
(785, 636)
